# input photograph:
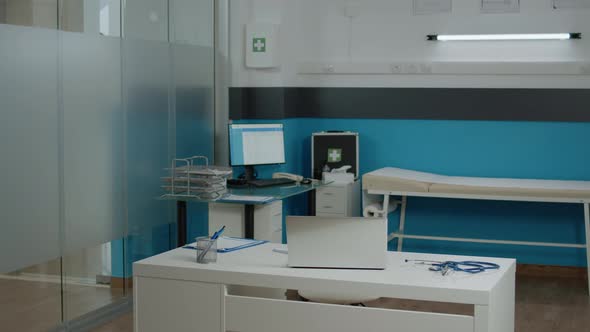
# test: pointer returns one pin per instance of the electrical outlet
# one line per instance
(411, 68)
(426, 7)
(425, 68)
(500, 6)
(585, 70)
(329, 69)
(396, 68)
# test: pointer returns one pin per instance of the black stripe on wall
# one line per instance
(411, 103)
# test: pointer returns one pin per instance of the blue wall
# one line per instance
(541, 150)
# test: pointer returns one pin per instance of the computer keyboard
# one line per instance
(270, 182)
(237, 183)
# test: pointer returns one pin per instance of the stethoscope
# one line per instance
(472, 267)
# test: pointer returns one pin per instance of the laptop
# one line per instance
(337, 243)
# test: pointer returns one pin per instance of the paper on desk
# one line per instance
(244, 198)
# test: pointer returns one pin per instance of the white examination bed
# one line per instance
(379, 185)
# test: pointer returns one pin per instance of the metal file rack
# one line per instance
(194, 178)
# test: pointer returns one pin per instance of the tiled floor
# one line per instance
(542, 305)
(121, 324)
(36, 306)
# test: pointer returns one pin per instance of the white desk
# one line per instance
(173, 293)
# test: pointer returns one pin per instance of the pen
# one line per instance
(217, 234)
(213, 239)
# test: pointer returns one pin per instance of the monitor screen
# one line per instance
(256, 144)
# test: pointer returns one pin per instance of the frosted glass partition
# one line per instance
(93, 140)
(194, 93)
(191, 22)
(92, 17)
(150, 144)
(29, 146)
(146, 20)
(165, 83)
(94, 104)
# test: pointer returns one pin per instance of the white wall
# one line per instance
(387, 31)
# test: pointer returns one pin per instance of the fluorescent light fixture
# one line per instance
(518, 36)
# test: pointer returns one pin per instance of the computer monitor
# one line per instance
(256, 144)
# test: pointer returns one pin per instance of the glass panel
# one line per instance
(3, 11)
(93, 140)
(191, 39)
(273, 193)
(29, 145)
(177, 90)
(31, 13)
(118, 109)
(93, 162)
(147, 75)
(30, 293)
(98, 17)
(191, 22)
(88, 285)
(30, 298)
(146, 20)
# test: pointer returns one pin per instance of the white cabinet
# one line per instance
(268, 220)
(339, 199)
(177, 305)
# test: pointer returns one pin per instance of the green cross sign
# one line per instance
(259, 45)
(334, 155)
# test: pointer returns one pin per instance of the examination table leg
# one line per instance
(587, 222)
(402, 223)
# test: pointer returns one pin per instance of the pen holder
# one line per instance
(206, 250)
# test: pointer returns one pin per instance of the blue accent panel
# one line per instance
(538, 150)
(117, 259)
(236, 145)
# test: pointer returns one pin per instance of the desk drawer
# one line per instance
(249, 314)
(330, 206)
(332, 193)
(331, 200)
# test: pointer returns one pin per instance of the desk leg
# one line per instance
(311, 203)
(587, 222)
(249, 221)
(499, 314)
(402, 223)
(181, 222)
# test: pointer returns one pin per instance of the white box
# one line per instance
(262, 45)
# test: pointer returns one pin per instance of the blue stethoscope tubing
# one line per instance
(472, 267)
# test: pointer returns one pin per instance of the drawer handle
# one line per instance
(328, 207)
(328, 194)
